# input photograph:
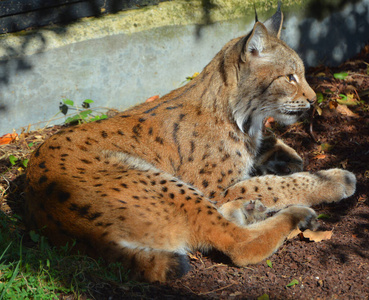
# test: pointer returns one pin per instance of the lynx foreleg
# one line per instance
(256, 242)
(304, 188)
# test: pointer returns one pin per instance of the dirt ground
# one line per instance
(337, 268)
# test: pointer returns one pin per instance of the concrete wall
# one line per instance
(122, 59)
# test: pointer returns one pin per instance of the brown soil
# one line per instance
(337, 268)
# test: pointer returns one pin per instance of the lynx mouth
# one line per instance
(294, 113)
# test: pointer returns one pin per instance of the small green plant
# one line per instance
(292, 283)
(341, 75)
(263, 297)
(14, 161)
(319, 97)
(323, 216)
(83, 113)
(269, 263)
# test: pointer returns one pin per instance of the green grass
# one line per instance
(39, 271)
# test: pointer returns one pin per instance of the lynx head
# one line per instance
(270, 78)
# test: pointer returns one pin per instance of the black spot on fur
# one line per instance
(63, 196)
(159, 140)
(234, 136)
(50, 188)
(42, 179)
(137, 130)
(54, 147)
(85, 161)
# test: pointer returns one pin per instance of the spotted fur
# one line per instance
(173, 175)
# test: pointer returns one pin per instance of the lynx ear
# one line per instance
(274, 23)
(257, 41)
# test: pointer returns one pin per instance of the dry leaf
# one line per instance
(317, 236)
(192, 256)
(344, 110)
(314, 236)
(269, 122)
(332, 104)
(320, 156)
(8, 138)
(153, 98)
(319, 110)
(293, 233)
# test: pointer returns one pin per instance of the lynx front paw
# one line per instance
(340, 183)
(243, 212)
(303, 217)
(279, 159)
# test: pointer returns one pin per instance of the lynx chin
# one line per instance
(177, 174)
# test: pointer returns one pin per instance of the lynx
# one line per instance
(170, 176)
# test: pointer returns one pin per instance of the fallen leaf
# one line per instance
(269, 122)
(332, 104)
(192, 256)
(313, 236)
(320, 156)
(319, 110)
(317, 236)
(8, 138)
(153, 98)
(235, 294)
(344, 110)
(326, 147)
(293, 233)
(344, 163)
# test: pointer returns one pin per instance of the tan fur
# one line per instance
(144, 187)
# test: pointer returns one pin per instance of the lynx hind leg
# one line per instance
(244, 213)
(277, 158)
(150, 265)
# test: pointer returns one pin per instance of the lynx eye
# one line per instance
(291, 78)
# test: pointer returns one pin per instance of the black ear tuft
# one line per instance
(274, 23)
(256, 15)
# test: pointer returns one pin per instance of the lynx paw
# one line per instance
(279, 160)
(342, 183)
(243, 212)
(302, 216)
